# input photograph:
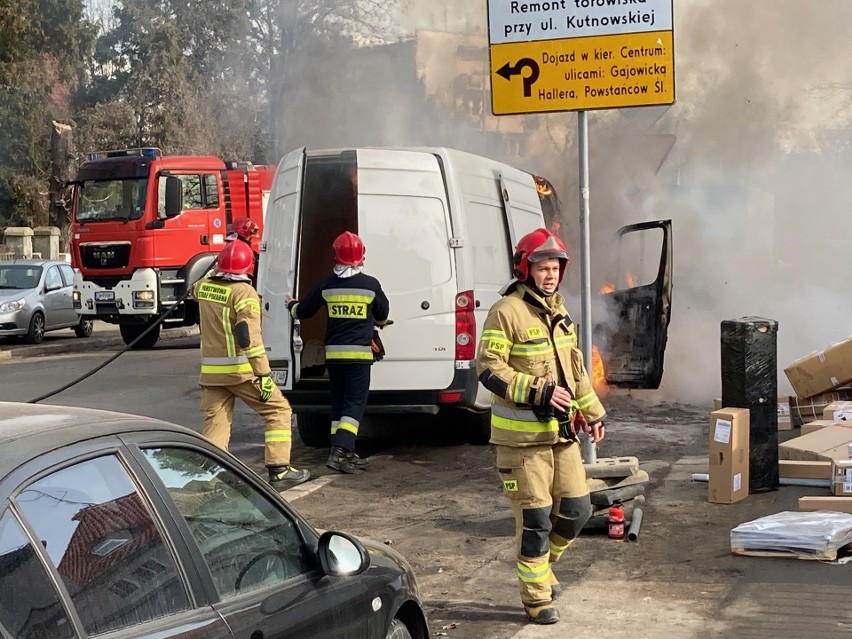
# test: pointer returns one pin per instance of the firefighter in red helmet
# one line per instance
(234, 363)
(356, 304)
(245, 229)
(541, 397)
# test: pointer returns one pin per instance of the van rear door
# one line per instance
(633, 336)
(403, 218)
(277, 270)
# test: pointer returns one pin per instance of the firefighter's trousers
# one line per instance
(550, 501)
(217, 404)
(350, 388)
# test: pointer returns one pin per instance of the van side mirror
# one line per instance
(174, 196)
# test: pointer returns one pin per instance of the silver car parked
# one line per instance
(35, 297)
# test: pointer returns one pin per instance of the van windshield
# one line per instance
(105, 200)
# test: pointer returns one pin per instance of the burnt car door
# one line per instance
(632, 337)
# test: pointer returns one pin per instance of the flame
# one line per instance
(607, 288)
(598, 372)
(629, 280)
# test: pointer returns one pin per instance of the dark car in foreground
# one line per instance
(126, 526)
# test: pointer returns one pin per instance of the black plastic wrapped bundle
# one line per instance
(750, 380)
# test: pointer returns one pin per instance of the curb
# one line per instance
(93, 343)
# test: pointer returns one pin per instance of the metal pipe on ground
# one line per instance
(635, 525)
(784, 481)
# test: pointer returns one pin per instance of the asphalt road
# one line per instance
(435, 499)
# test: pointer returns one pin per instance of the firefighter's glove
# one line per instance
(266, 387)
(571, 421)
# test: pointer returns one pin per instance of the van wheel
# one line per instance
(478, 426)
(129, 332)
(397, 630)
(314, 429)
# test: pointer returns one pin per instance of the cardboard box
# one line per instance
(717, 403)
(836, 504)
(807, 409)
(841, 478)
(729, 448)
(784, 418)
(824, 444)
(819, 424)
(838, 411)
(804, 469)
(822, 371)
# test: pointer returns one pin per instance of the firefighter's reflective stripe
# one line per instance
(556, 550)
(210, 292)
(347, 424)
(363, 295)
(281, 435)
(228, 333)
(336, 351)
(224, 365)
(496, 341)
(293, 311)
(250, 303)
(520, 388)
(587, 400)
(566, 341)
(534, 573)
(520, 420)
(532, 348)
(257, 351)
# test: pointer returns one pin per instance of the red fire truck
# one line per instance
(145, 226)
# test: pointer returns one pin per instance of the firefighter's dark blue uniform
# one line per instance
(355, 306)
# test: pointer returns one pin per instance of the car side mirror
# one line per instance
(174, 196)
(341, 555)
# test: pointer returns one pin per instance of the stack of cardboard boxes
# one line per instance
(822, 407)
(822, 380)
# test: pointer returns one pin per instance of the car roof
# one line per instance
(30, 430)
(32, 262)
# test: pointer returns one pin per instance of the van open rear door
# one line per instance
(633, 336)
(277, 276)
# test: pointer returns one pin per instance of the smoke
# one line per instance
(752, 163)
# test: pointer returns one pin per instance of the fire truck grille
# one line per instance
(94, 256)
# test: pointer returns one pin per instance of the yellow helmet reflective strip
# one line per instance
(257, 351)
(364, 295)
(252, 303)
(210, 292)
(281, 435)
(535, 573)
(519, 389)
(587, 400)
(344, 425)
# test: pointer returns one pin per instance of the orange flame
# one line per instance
(607, 288)
(630, 280)
(598, 372)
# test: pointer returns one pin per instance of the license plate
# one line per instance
(104, 296)
(279, 377)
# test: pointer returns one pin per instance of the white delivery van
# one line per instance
(439, 227)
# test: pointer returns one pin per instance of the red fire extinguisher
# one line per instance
(616, 521)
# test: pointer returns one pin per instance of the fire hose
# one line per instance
(88, 374)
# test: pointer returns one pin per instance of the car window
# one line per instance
(29, 604)
(19, 277)
(67, 274)
(53, 278)
(247, 541)
(104, 544)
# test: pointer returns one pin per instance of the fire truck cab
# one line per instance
(146, 226)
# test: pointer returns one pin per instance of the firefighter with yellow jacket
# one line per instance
(234, 363)
(541, 397)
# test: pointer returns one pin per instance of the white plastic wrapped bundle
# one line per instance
(798, 532)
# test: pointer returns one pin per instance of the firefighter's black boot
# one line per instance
(544, 614)
(284, 477)
(338, 459)
(359, 462)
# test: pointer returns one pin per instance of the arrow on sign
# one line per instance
(507, 71)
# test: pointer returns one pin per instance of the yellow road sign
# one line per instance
(571, 74)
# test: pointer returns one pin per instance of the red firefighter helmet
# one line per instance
(236, 258)
(243, 228)
(538, 245)
(348, 249)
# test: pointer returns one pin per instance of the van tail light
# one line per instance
(465, 327)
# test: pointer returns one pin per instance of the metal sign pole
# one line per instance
(587, 446)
